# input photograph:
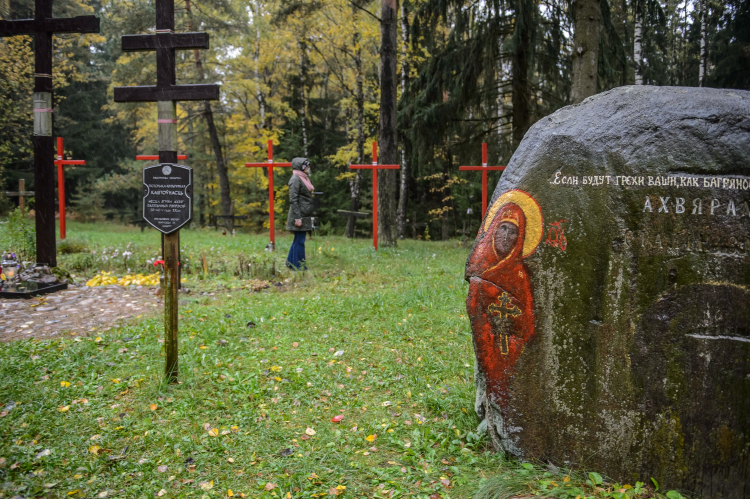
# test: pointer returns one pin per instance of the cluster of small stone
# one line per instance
(75, 311)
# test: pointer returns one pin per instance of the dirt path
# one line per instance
(75, 311)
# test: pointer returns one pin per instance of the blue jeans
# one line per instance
(296, 257)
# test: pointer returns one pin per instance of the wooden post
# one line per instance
(171, 310)
(21, 198)
(167, 123)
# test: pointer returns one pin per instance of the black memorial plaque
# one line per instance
(167, 196)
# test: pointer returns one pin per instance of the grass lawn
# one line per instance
(380, 339)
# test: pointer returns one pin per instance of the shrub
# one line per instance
(70, 246)
(19, 236)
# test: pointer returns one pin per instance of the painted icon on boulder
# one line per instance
(613, 333)
(500, 303)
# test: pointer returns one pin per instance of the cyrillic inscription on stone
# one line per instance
(167, 196)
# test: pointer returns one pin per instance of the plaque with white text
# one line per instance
(167, 196)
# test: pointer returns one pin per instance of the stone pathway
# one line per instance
(75, 311)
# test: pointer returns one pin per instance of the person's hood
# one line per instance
(298, 163)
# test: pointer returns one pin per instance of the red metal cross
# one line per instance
(60, 162)
(375, 167)
(484, 168)
(155, 157)
(270, 164)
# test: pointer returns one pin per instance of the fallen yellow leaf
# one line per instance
(94, 449)
(153, 407)
(115, 380)
(371, 438)
(230, 493)
(566, 479)
(63, 409)
(64, 384)
(310, 431)
(213, 432)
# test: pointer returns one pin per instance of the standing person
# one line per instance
(300, 209)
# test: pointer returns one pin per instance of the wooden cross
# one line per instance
(22, 192)
(60, 162)
(165, 93)
(43, 26)
(270, 164)
(484, 168)
(375, 167)
(165, 42)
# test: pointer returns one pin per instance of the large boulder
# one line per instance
(609, 296)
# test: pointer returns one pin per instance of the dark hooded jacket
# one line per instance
(300, 200)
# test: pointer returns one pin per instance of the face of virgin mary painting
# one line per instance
(500, 303)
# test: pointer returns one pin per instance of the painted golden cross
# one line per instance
(504, 309)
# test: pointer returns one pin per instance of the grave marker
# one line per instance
(165, 93)
(375, 167)
(484, 169)
(22, 193)
(43, 26)
(270, 165)
(60, 162)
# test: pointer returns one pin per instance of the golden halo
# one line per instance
(532, 212)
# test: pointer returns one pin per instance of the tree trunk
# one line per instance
(638, 42)
(587, 20)
(208, 115)
(256, 55)
(388, 146)
(404, 187)
(303, 63)
(702, 68)
(356, 182)
(524, 17)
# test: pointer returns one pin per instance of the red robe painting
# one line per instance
(500, 303)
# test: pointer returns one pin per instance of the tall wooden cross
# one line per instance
(165, 93)
(375, 167)
(270, 166)
(43, 26)
(484, 168)
(61, 162)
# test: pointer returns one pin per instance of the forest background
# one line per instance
(306, 74)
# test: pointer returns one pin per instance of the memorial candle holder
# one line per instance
(10, 268)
